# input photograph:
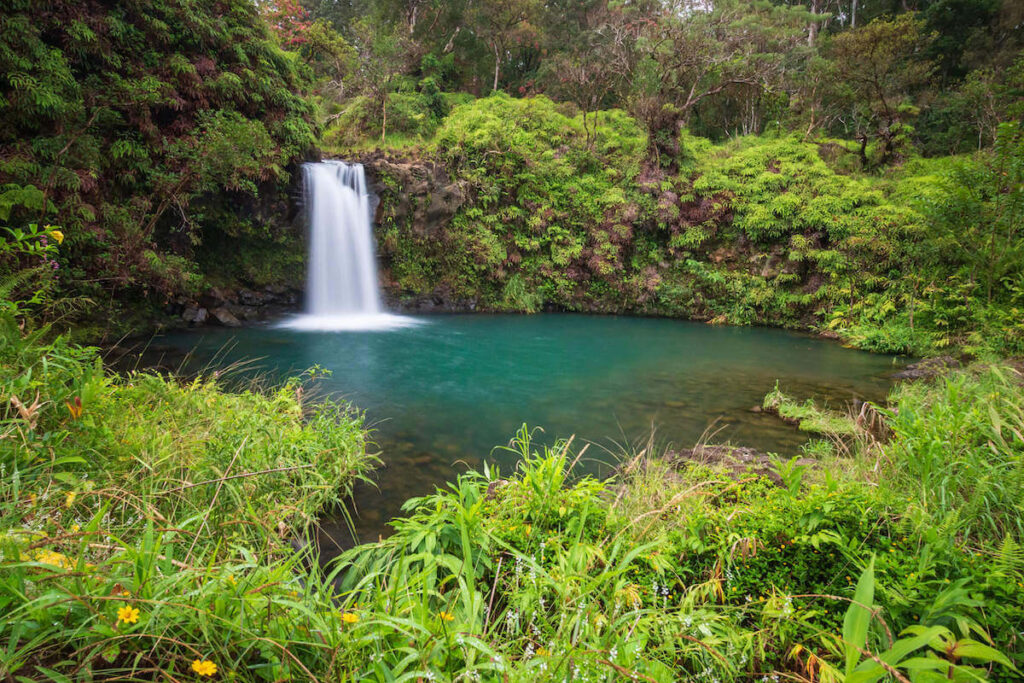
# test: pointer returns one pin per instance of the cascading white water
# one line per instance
(342, 265)
(342, 291)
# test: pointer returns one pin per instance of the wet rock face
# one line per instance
(225, 317)
(416, 193)
(195, 315)
(436, 302)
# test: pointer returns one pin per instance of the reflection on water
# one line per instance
(442, 394)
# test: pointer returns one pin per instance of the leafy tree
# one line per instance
(880, 69)
(955, 23)
(382, 57)
(137, 121)
(689, 53)
(287, 19)
(592, 71)
(502, 24)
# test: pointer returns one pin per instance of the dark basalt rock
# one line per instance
(242, 312)
(195, 315)
(224, 317)
(417, 193)
(230, 308)
(928, 368)
(437, 302)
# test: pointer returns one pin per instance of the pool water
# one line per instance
(441, 394)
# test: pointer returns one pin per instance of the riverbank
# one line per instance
(147, 528)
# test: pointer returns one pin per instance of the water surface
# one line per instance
(442, 394)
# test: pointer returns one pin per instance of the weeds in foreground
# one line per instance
(146, 524)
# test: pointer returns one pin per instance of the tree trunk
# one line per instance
(497, 66)
(853, 14)
(812, 30)
(413, 11)
(913, 301)
(384, 117)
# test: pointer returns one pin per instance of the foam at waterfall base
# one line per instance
(351, 322)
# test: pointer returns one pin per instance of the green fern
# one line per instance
(1009, 561)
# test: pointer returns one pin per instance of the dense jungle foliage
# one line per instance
(852, 167)
(158, 135)
(772, 229)
(162, 137)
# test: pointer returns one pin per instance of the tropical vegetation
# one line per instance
(854, 168)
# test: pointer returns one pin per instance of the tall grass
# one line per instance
(957, 452)
(180, 501)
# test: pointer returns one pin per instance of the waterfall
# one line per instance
(342, 265)
(342, 291)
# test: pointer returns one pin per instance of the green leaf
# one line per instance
(975, 650)
(54, 675)
(110, 654)
(925, 664)
(858, 617)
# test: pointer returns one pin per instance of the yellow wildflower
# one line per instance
(47, 556)
(69, 498)
(57, 235)
(349, 617)
(204, 667)
(446, 616)
(128, 614)
(543, 652)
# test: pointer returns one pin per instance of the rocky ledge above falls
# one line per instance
(416, 192)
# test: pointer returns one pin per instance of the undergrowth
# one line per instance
(147, 523)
